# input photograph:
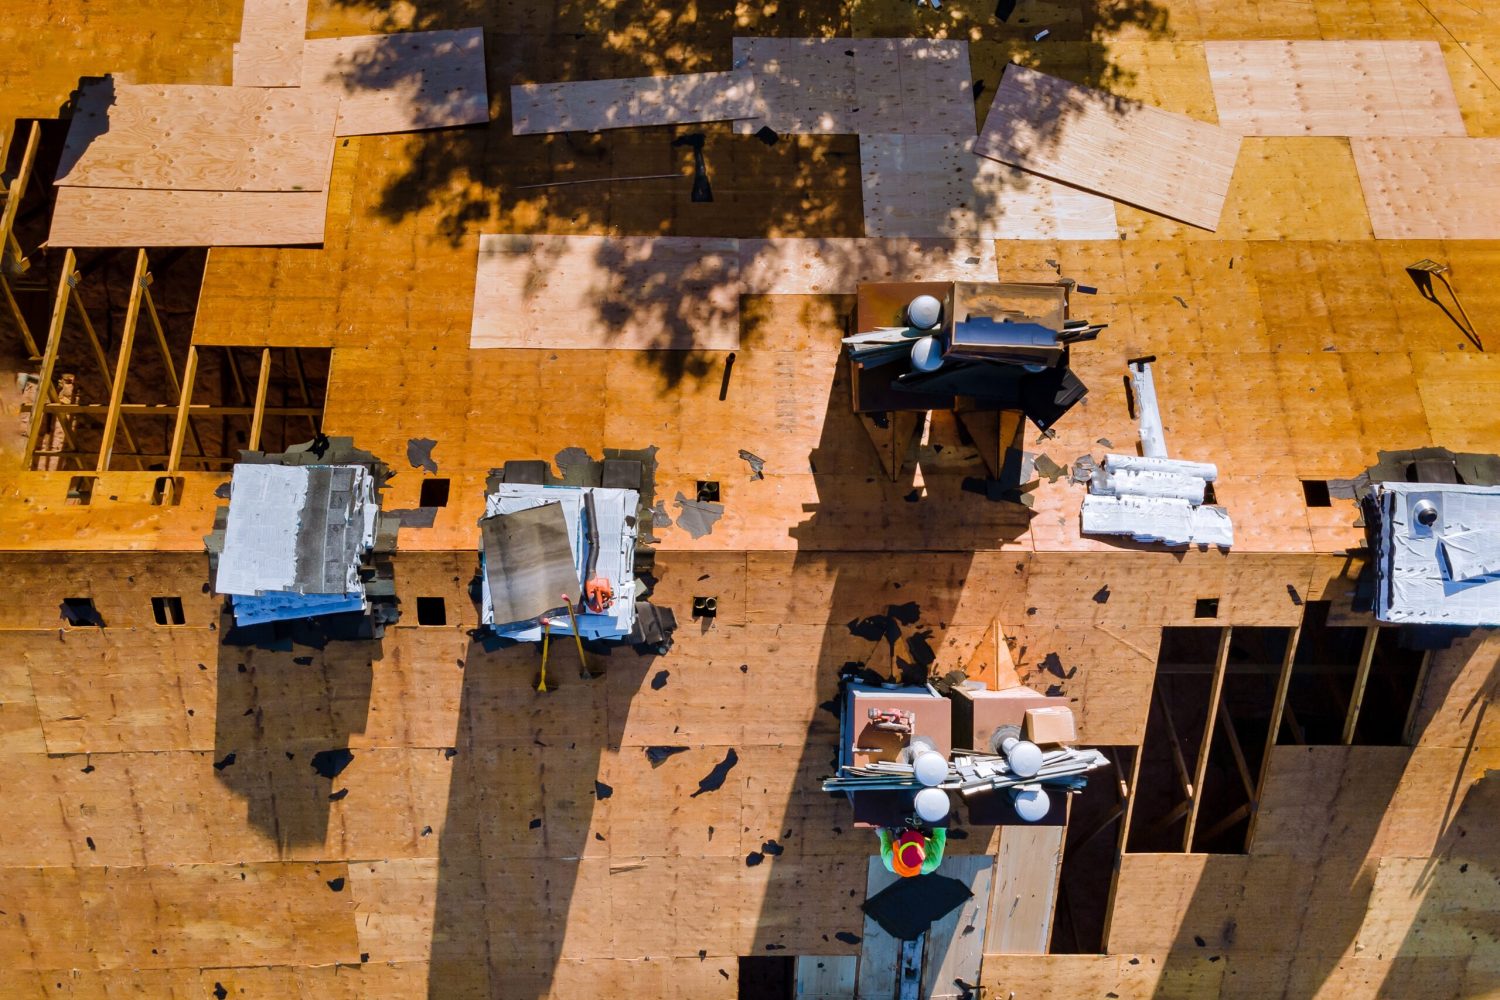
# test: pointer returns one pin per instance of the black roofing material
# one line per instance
(419, 454)
(658, 755)
(906, 909)
(331, 763)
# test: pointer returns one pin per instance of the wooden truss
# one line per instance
(63, 413)
(12, 260)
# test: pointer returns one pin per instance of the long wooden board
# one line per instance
(910, 86)
(269, 52)
(1342, 88)
(1430, 189)
(401, 82)
(193, 138)
(837, 266)
(594, 292)
(953, 950)
(115, 217)
(1025, 895)
(934, 185)
(1163, 162)
(594, 105)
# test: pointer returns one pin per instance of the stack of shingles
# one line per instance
(250, 165)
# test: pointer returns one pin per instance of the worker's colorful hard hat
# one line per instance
(909, 853)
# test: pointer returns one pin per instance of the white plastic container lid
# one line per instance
(931, 768)
(932, 805)
(927, 354)
(924, 312)
(1031, 804)
(1024, 757)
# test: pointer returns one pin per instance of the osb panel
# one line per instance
(111, 217)
(400, 82)
(1164, 901)
(1107, 672)
(1038, 977)
(1428, 188)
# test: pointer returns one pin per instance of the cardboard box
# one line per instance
(1051, 724)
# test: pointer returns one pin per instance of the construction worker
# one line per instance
(907, 852)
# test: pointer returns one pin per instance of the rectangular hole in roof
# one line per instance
(434, 493)
(167, 610)
(1315, 492)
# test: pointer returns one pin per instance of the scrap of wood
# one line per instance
(911, 86)
(1339, 88)
(401, 82)
(1430, 189)
(1163, 162)
(194, 138)
(593, 105)
(935, 185)
(116, 217)
(595, 292)
(269, 52)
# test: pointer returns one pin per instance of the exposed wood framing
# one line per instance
(45, 389)
(1278, 707)
(1361, 678)
(184, 401)
(1127, 791)
(12, 260)
(258, 416)
(1408, 731)
(122, 362)
(1221, 663)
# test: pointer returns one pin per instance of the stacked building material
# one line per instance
(1437, 553)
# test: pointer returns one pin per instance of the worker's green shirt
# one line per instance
(933, 845)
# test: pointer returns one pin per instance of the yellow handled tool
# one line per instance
(541, 685)
(573, 618)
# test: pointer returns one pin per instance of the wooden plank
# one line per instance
(1336, 88)
(1163, 162)
(122, 362)
(880, 954)
(1361, 678)
(194, 138)
(910, 86)
(181, 424)
(825, 977)
(1025, 896)
(269, 52)
(1215, 692)
(258, 415)
(114, 217)
(1429, 189)
(934, 185)
(798, 266)
(595, 105)
(594, 292)
(1278, 708)
(401, 82)
(953, 949)
(45, 390)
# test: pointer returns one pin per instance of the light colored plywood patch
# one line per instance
(190, 138)
(594, 292)
(113, 217)
(933, 185)
(1430, 189)
(831, 266)
(593, 105)
(910, 86)
(953, 943)
(269, 52)
(1163, 162)
(1345, 88)
(401, 82)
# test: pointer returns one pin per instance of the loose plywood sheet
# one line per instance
(911, 86)
(401, 82)
(1344, 88)
(594, 105)
(953, 953)
(595, 292)
(1021, 907)
(1430, 189)
(1167, 163)
(269, 52)
(838, 266)
(935, 185)
(114, 217)
(193, 138)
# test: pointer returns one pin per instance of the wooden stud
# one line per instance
(166, 354)
(1228, 821)
(1214, 694)
(122, 363)
(1122, 841)
(11, 258)
(1177, 757)
(1278, 709)
(1361, 678)
(184, 401)
(258, 415)
(1408, 735)
(49, 359)
(1235, 748)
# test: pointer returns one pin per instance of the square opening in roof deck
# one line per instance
(81, 490)
(79, 612)
(767, 977)
(1315, 492)
(434, 493)
(167, 491)
(1206, 607)
(167, 611)
(1209, 496)
(708, 491)
(431, 611)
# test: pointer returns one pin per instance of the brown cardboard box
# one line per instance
(1052, 724)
